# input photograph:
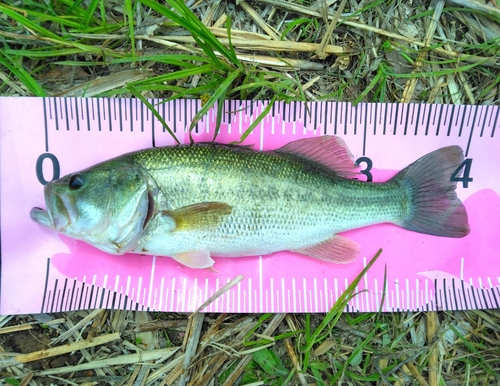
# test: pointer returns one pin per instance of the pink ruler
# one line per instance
(41, 271)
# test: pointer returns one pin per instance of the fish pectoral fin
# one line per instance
(195, 259)
(338, 249)
(201, 216)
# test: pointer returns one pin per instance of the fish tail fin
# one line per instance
(434, 207)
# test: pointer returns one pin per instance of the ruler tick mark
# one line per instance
(495, 122)
(471, 132)
(395, 119)
(45, 123)
(451, 120)
(98, 105)
(439, 119)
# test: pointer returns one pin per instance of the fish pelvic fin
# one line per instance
(434, 207)
(338, 249)
(200, 216)
(195, 259)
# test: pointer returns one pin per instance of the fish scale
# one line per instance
(272, 197)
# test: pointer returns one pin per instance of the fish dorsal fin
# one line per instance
(338, 249)
(327, 150)
(200, 216)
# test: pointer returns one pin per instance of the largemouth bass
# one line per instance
(194, 202)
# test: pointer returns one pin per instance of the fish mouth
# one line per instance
(58, 215)
(42, 217)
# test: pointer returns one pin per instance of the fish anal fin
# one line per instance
(329, 151)
(338, 249)
(195, 259)
(200, 216)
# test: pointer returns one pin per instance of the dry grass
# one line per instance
(129, 348)
(443, 52)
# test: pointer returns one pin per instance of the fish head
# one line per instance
(107, 206)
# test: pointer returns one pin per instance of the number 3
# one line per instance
(366, 170)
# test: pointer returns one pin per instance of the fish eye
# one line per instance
(76, 181)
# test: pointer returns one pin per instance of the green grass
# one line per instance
(41, 36)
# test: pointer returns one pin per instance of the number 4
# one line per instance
(465, 179)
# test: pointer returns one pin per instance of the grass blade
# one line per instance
(130, 21)
(138, 95)
(20, 73)
(258, 120)
(336, 311)
(221, 90)
(90, 12)
(220, 108)
(186, 19)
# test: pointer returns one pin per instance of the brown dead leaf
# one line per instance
(65, 73)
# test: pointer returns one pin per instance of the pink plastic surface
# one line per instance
(42, 271)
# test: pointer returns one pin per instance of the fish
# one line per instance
(194, 202)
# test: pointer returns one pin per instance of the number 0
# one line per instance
(39, 168)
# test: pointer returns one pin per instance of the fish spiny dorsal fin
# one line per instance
(327, 150)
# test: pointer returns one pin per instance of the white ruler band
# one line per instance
(424, 272)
